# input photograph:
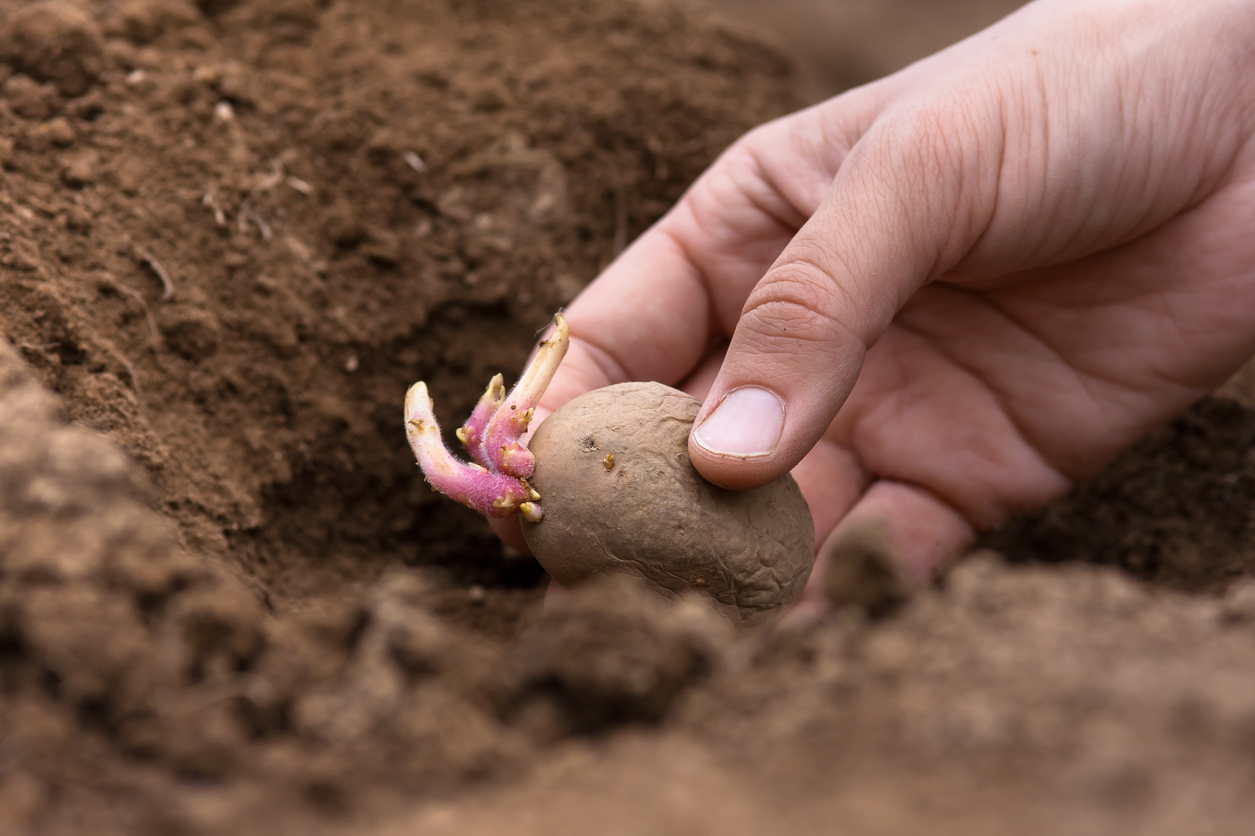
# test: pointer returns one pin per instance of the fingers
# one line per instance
(905, 205)
(654, 312)
(832, 479)
(647, 317)
(953, 173)
(510, 532)
(895, 537)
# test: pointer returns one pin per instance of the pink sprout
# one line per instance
(495, 481)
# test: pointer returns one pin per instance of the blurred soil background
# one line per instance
(232, 232)
(839, 44)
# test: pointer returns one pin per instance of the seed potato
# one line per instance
(620, 493)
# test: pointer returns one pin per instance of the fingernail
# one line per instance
(746, 424)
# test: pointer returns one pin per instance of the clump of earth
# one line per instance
(232, 233)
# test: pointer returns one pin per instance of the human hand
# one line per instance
(1002, 265)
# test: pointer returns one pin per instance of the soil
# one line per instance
(233, 233)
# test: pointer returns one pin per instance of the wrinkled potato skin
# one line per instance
(648, 510)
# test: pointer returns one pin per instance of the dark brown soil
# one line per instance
(233, 233)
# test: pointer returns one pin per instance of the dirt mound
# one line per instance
(233, 233)
(1025, 700)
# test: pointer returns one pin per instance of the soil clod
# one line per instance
(54, 41)
(609, 652)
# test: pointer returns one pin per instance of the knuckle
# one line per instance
(798, 303)
(747, 152)
(944, 135)
(939, 169)
(917, 147)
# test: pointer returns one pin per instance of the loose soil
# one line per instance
(233, 233)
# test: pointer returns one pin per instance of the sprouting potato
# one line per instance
(606, 485)
(620, 494)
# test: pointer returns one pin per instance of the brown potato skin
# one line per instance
(647, 510)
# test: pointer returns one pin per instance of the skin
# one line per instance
(970, 284)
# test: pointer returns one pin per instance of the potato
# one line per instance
(620, 493)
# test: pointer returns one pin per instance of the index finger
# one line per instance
(645, 317)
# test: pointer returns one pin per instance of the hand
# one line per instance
(1002, 265)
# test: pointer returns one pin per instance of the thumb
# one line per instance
(897, 213)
